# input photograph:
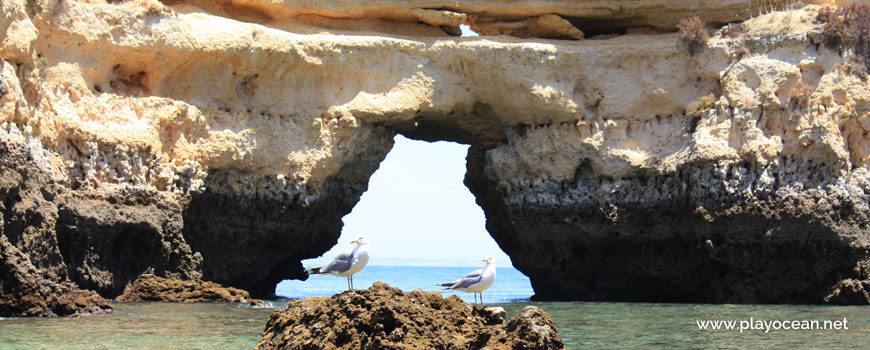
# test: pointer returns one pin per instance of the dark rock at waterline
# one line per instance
(383, 317)
(714, 232)
(29, 298)
(33, 276)
(57, 244)
(62, 237)
(153, 288)
(269, 236)
(850, 292)
(109, 236)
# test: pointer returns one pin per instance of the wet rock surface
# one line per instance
(383, 317)
(153, 288)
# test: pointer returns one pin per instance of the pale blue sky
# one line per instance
(417, 211)
(466, 31)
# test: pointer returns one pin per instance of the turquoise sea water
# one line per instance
(510, 285)
(581, 325)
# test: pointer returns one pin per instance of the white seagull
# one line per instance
(348, 262)
(475, 282)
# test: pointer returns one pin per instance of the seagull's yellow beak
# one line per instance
(482, 259)
(353, 241)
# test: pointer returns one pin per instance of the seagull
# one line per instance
(475, 282)
(348, 262)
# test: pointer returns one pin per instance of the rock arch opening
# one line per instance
(416, 212)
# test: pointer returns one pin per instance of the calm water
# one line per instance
(581, 325)
(510, 285)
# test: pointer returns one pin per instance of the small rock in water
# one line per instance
(533, 329)
(849, 292)
(383, 317)
(260, 304)
(152, 288)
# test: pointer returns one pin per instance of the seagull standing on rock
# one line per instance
(475, 282)
(348, 262)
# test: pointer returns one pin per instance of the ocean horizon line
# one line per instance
(409, 262)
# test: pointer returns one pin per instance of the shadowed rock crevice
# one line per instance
(106, 243)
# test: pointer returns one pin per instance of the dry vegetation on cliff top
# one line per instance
(848, 29)
(693, 33)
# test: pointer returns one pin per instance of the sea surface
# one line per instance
(510, 284)
(582, 325)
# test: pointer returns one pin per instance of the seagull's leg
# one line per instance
(347, 279)
(481, 298)
(351, 282)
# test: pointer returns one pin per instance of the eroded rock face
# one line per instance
(383, 317)
(152, 288)
(761, 196)
(33, 278)
(142, 182)
(200, 146)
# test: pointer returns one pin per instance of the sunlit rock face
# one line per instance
(756, 194)
(198, 140)
(170, 148)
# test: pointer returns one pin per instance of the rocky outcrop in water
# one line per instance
(224, 142)
(153, 288)
(383, 317)
(850, 292)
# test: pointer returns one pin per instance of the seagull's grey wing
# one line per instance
(469, 280)
(341, 263)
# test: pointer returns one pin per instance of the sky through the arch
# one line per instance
(417, 211)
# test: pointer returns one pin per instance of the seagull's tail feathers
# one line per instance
(448, 285)
(314, 270)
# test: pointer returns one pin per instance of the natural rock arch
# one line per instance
(615, 168)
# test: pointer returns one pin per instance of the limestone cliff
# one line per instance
(205, 140)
